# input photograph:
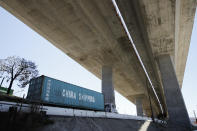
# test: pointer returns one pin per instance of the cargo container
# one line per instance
(51, 91)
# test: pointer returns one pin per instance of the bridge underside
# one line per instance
(90, 32)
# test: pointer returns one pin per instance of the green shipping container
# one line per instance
(48, 90)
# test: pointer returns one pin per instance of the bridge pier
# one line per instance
(138, 103)
(177, 112)
(108, 88)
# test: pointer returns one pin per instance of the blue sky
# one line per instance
(18, 39)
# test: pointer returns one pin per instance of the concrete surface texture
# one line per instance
(107, 85)
(138, 103)
(177, 111)
(99, 124)
(35, 122)
(90, 32)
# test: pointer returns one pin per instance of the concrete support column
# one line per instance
(177, 112)
(148, 112)
(139, 108)
(108, 88)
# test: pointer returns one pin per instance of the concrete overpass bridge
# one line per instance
(91, 33)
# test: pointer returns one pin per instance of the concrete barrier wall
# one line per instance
(86, 113)
(58, 111)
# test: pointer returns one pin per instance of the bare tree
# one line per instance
(15, 68)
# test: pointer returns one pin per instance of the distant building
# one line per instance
(3, 90)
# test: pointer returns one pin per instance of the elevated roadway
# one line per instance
(91, 33)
